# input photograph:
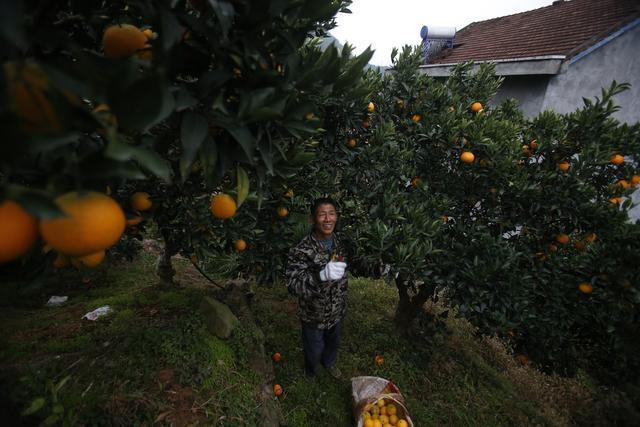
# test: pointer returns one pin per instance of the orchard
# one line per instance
(216, 123)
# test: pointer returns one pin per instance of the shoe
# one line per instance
(335, 372)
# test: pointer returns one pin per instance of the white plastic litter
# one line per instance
(98, 312)
(56, 300)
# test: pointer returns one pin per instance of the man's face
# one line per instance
(324, 221)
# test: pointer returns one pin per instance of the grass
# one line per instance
(152, 360)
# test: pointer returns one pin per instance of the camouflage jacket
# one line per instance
(322, 304)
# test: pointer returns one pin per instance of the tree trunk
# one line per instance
(409, 306)
(164, 269)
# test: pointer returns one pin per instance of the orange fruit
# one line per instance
(467, 157)
(391, 409)
(276, 357)
(61, 261)
(585, 288)
(533, 144)
(476, 107)
(92, 260)
(416, 182)
(393, 419)
(93, 222)
(562, 238)
(615, 200)
(635, 180)
(377, 423)
(379, 360)
(371, 107)
(288, 194)
(18, 231)
(591, 237)
(351, 143)
(617, 159)
(29, 95)
(553, 248)
(563, 166)
(277, 389)
(240, 245)
(623, 183)
(223, 206)
(368, 422)
(380, 403)
(282, 211)
(140, 201)
(122, 41)
(384, 419)
(402, 423)
(133, 221)
(416, 118)
(579, 246)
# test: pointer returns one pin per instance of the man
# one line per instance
(316, 274)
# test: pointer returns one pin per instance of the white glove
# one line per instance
(333, 271)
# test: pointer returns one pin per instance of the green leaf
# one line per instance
(35, 406)
(36, 202)
(184, 99)
(142, 104)
(193, 131)
(146, 157)
(244, 137)
(170, 30)
(243, 185)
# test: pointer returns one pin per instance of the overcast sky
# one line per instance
(385, 24)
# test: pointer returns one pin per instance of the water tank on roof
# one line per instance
(435, 39)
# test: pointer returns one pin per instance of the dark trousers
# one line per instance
(320, 346)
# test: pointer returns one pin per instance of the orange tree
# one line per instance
(474, 203)
(184, 98)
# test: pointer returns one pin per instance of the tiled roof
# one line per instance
(563, 28)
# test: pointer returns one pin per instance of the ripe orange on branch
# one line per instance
(562, 238)
(93, 222)
(18, 231)
(223, 206)
(416, 118)
(476, 107)
(277, 357)
(240, 245)
(467, 157)
(92, 260)
(277, 389)
(122, 41)
(29, 95)
(351, 143)
(617, 159)
(282, 211)
(585, 288)
(371, 107)
(140, 201)
(564, 166)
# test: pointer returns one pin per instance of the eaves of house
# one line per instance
(541, 41)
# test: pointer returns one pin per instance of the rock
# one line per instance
(218, 318)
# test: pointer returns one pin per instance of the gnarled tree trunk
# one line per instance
(164, 269)
(409, 306)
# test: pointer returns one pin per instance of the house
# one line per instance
(554, 56)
